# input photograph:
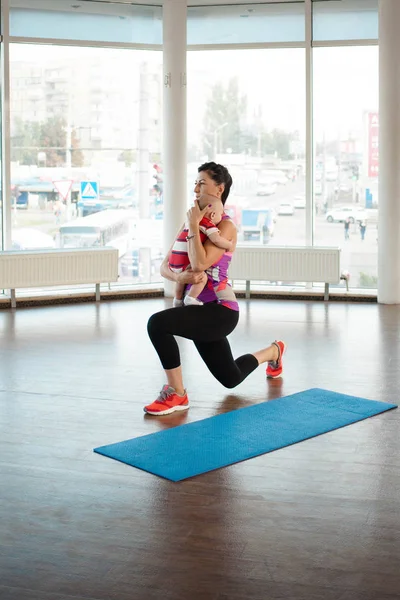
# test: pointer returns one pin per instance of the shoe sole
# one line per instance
(274, 376)
(282, 354)
(167, 411)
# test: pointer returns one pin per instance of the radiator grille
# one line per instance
(286, 264)
(57, 267)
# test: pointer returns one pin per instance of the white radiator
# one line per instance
(286, 264)
(41, 268)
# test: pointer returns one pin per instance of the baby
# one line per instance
(179, 258)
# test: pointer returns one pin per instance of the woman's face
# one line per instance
(206, 185)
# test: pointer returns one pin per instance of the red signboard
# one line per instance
(373, 144)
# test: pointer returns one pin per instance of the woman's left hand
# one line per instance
(195, 215)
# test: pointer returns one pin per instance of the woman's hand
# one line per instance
(195, 215)
(190, 277)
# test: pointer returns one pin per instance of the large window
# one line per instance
(250, 23)
(1, 164)
(86, 125)
(86, 138)
(86, 20)
(346, 149)
(345, 20)
(246, 109)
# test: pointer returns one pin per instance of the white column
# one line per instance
(389, 153)
(174, 126)
(5, 106)
(309, 191)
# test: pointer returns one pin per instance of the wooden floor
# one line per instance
(316, 521)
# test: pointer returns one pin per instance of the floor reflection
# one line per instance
(274, 390)
(167, 421)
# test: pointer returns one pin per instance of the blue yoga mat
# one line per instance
(188, 450)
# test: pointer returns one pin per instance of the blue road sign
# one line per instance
(89, 190)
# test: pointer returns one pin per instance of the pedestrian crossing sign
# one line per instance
(89, 190)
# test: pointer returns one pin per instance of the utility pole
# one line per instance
(68, 158)
(323, 174)
(142, 160)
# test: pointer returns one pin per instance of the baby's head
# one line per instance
(215, 211)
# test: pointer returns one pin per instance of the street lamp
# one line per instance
(216, 131)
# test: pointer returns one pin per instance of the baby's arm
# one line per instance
(220, 241)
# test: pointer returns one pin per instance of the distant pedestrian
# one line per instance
(57, 211)
(363, 227)
(346, 228)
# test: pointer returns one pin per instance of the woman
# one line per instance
(208, 324)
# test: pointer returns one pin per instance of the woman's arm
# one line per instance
(202, 257)
(186, 277)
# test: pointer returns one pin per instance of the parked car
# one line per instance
(299, 201)
(266, 188)
(286, 208)
(341, 213)
(22, 200)
(29, 239)
(346, 188)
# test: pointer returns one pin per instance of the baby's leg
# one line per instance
(195, 290)
(179, 289)
(178, 299)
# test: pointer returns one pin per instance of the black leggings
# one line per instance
(207, 325)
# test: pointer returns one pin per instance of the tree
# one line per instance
(24, 142)
(77, 156)
(128, 157)
(331, 147)
(30, 138)
(224, 114)
(281, 143)
(260, 142)
(53, 141)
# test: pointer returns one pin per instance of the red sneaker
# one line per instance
(167, 402)
(275, 367)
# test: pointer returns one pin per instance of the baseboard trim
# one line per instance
(85, 297)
